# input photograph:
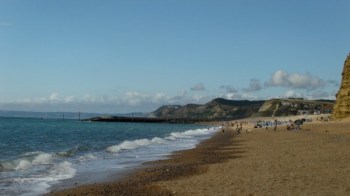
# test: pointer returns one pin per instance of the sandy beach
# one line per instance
(312, 161)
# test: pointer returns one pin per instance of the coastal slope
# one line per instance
(223, 109)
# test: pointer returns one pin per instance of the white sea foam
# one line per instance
(39, 189)
(62, 171)
(39, 184)
(43, 158)
(33, 153)
(189, 134)
(72, 152)
(127, 145)
(27, 161)
(87, 157)
(22, 165)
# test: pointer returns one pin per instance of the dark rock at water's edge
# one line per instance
(142, 120)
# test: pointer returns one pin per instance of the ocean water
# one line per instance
(37, 155)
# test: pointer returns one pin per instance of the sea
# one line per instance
(39, 155)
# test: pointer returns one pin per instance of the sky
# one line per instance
(122, 56)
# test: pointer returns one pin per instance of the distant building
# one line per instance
(327, 108)
(303, 112)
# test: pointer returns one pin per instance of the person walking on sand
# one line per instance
(223, 128)
(238, 130)
(275, 128)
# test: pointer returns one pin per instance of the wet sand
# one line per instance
(312, 161)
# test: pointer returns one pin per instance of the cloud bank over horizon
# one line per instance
(295, 85)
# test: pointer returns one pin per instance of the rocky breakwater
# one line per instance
(342, 104)
(143, 120)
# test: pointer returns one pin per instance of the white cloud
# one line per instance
(128, 102)
(295, 81)
(310, 95)
(292, 94)
(229, 88)
(89, 98)
(198, 87)
(254, 85)
(133, 98)
(321, 95)
(240, 96)
(137, 98)
(159, 97)
(55, 97)
(335, 83)
(70, 99)
(279, 78)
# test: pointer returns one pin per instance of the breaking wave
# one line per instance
(189, 134)
(129, 145)
(33, 167)
(73, 151)
(38, 171)
(27, 161)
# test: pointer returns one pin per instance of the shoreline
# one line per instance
(312, 161)
(179, 164)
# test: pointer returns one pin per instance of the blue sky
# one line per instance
(130, 56)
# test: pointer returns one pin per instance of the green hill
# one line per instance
(223, 109)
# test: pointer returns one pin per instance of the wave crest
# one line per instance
(62, 171)
(128, 145)
(73, 151)
(190, 133)
(27, 161)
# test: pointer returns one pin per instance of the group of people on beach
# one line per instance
(238, 124)
(290, 124)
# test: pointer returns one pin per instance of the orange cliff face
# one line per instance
(342, 104)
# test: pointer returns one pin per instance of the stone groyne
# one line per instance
(143, 120)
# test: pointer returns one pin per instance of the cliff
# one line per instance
(294, 106)
(342, 104)
(222, 109)
(217, 109)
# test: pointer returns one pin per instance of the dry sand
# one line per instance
(312, 161)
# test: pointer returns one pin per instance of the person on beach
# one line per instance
(275, 128)
(238, 130)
